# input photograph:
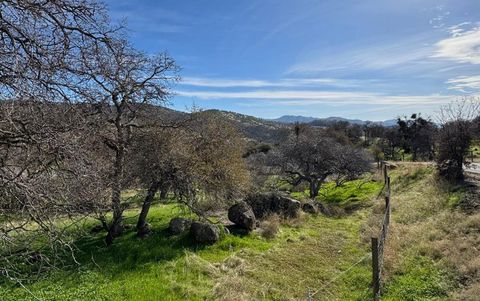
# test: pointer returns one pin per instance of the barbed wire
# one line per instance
(339, 275)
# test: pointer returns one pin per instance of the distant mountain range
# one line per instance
(305, 119)
(258, 129)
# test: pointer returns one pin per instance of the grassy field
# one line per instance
(327, 255)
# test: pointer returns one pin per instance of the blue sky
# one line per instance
(352, 58)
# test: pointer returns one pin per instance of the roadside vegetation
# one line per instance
(432, 250)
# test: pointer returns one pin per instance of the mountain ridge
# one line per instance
(287, 119)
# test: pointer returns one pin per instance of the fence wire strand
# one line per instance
(383, 236)
(339, 275)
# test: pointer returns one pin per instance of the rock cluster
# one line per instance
(265, 204)
(244, 215)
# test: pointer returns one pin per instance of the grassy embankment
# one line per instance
(311, 252)
(434, 245)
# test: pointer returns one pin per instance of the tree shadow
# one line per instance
(129, 252)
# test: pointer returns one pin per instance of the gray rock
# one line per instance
(144, 231)
(242, 215)
(310, 208)
(204, 233)
(179, 225)
(265, 204)
(288, 207)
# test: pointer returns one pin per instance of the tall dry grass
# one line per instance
(424, 223)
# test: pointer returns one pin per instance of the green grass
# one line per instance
(353, 191)
(329, 256)
(134, 268)
(419, 279)
(172, 268)
(314, 249)
(350, 192)
(318, 254)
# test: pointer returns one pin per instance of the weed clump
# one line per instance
(270, 226)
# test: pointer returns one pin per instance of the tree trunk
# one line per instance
(164, 192)
(116, 227)
(314, 188)
(142, 226)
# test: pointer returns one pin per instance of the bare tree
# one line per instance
(120, 80)
(313, 157)
(46, 170)
(39, 38)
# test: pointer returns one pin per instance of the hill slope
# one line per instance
(252, 127)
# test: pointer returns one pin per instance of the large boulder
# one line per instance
(242, 215)
(179, 225)
(265, 204)
(310, 208)
(205, 233)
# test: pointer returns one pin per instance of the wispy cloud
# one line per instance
(458, 29)
(373, 57)
(257, 83)
(307, 97)
(462, 47)
(465, 84)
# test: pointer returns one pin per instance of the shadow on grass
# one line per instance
(130, 252)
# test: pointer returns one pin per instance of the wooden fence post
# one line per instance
(376, 270)
(387, 182)
(385, 172)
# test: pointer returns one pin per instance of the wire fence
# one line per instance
(378, 243)
(377, 250)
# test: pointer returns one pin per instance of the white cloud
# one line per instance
(462, 47)
(382, 55)
(224, 83)
(465, 83)
(307, 97)
(459, 29)
(255, 83)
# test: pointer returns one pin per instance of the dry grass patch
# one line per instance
(427, 229)
(270, 226)
(310, 256)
